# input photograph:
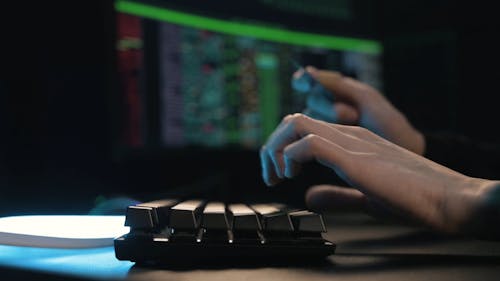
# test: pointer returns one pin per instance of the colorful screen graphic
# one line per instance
(220, 83)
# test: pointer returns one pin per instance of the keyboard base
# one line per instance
(151, 252)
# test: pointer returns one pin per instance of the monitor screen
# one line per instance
(187, 79)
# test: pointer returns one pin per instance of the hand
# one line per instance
(381, 172)
(357, 103)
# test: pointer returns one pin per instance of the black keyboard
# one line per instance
(192, 231)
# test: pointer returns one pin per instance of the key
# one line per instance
(307, 221)
(152, 214)
(246, 227)
(244, 218)
(273, 218)
(214, 216)
(215, 224)
(186, 214)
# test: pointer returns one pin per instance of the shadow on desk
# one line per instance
(240, 263)
(408, 250)
(357, 263)
(412, 238)
(349, 263)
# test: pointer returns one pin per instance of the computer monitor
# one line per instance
(201, 87)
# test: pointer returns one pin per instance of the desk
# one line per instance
(367, 249)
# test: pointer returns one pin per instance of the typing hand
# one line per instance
(380, 171)
(357, 103)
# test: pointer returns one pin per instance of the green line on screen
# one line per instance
(250, 30)
(269, 92)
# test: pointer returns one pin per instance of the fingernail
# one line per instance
(269, 183)
(312, 70)
(298, 73)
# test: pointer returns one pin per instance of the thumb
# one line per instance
(330, 197)
(326, 198)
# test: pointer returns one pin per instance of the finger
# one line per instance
(320, 107)
(338, 112)
(342, 87)
(314, 114)
(274, 150)
(299, 126)
(292, 167)
(330, 197)
(346, 114)
(359, 132)
(307, 138)
(298, 73)
(327, 198)
(268, 172)
(314, 147)
(300, 82)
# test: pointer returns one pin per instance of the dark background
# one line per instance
(58, 103)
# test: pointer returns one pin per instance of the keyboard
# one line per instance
(193, 231)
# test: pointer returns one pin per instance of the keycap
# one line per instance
(246, 227)
(244, 218)
(273, 217)
(152, 214)
(307, 221)
(186, 214)
(214, 216)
